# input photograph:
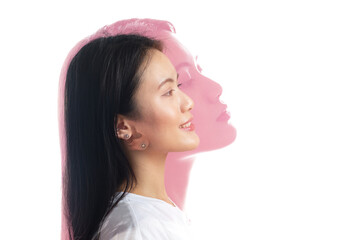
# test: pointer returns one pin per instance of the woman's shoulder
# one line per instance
(121, 223)
(129, 219)
(138, 217)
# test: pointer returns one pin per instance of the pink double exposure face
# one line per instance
(210, 115)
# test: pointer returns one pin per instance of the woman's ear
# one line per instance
(126, 130)
(123, 127)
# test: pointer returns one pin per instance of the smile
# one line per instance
(185, 125)
(188, 126)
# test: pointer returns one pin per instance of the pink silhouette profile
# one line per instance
(210, 115)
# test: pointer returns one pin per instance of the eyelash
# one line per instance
(173, 89)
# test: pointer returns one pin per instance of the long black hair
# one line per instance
(101, 82)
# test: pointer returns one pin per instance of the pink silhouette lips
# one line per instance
(224, 116)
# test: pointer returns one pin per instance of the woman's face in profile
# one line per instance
(210, 117)
(164, 107)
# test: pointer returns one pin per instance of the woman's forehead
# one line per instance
(158, 69)
(176, 52)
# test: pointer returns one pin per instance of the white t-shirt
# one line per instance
(138, 217)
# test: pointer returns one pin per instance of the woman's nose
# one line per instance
(212, 89)
(187, 103)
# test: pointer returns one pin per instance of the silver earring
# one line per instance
(126, 136)
(143, 145)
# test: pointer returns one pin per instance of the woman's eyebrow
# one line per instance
(168, 80)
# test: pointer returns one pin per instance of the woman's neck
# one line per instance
(149, 170)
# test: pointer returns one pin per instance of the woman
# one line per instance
(210, 115)
(123, 111)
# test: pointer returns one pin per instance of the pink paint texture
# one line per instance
(210, 115)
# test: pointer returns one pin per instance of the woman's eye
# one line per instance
(169, 93)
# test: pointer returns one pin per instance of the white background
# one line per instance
(290, 77)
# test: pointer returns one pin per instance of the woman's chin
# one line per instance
(191, 144)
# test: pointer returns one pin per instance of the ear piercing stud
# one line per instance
(126, 136)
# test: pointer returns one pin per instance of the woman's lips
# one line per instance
(190, 119)
(189, 128)
(224, 116)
